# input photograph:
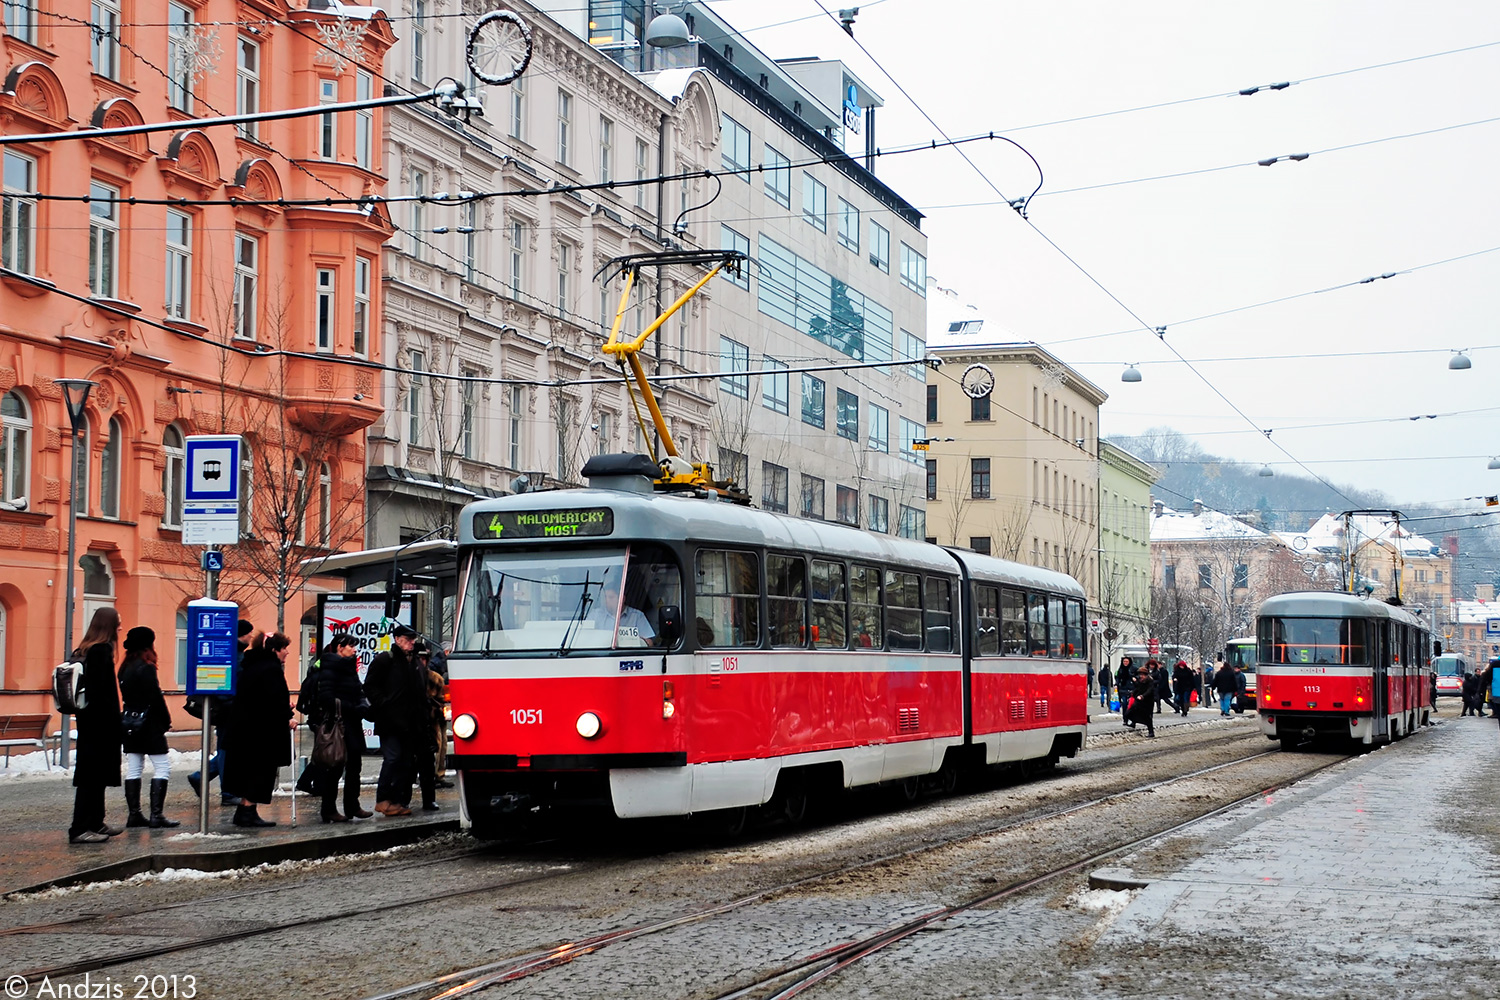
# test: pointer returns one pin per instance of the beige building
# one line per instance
(1370, 552)
(1124, 545)
(1016, 472)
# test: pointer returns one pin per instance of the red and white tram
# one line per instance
(659, 654)
(1337, 665)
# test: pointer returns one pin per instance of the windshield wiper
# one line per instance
(584, 603)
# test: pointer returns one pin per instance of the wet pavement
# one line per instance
(36, 805)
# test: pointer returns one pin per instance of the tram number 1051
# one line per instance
(526, 716)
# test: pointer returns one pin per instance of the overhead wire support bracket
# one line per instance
(677, 472)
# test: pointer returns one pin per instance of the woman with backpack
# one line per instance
(144, 732)
(96, 756)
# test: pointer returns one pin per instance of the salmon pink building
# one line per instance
(177, 271)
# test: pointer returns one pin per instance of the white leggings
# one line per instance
(161, 765)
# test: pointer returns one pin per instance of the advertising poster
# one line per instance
(362, 616)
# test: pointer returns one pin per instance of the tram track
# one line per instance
(826, 961)
(536, 962)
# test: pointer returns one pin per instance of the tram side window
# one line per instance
(728, 598)
(830, 605)
(1056, 627)
(864, 607)
(1075, 647)
(903, 610)
(987, 613)
(1013, 623)
(1036, 622)
(786, 600)
(939, 617)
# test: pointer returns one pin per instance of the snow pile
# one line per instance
(1109, 903)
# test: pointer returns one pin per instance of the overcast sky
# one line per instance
(1175, 249)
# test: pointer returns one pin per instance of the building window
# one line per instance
(734, 466)
(361, 305)
(775, 387)
(979, 409)
(179, 57)
(880, 246)
(913, 523)
(15, 448)
(932, 479)
(414, 399)
(246, 285)
(932, 404)
(564, 125)
(778, 178)
(299, 499)
(21, 19)
(418, 214)
(518, 108)
(517, 260)
(517, 404)
(325, 503)
(911, 433)
(880, 515)
(812, 496)
(328, 122)
(880, 428)
(564, 265)
(179, 301)
(1169, 576)
(812, 400)
(606, 150)
(19, 210)
(418, 40)
(467, 410)
(774, 481)
(109, 470)
(1241, 576)
(326, 314)
(731, 240)
(247, 490)
(247, 84)
(1205, 575)
(980, 544)
(104, 16)
(979, 478)
(104, 239)
(814, 202)
(848, 226)
(735, 142)
(364, 120)
(734, 357)
(642, 171)
(913, 270)
(914, 349)
(846, 415)
(172, 481)
(846, 505)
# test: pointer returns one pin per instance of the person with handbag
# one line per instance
(338, 703)
(256, 743)
(96, 755)
(144, 722)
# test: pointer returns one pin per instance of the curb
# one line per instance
(364, 841)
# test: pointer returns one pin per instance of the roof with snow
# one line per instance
(1327, 535)
(1184, 526)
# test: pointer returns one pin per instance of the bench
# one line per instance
(24, 731)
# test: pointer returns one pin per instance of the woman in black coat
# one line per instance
(337, 689)
(140, 695)
(1183, 682)
(1144, 706)
(260, 730)
(96, 756)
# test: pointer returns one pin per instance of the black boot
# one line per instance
(158, 802)
(133, 803)
(245, 815)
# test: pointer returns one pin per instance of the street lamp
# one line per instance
(1131, 374)
(75, 395)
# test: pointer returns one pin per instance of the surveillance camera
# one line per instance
(1080, 442)
(593, 427)
(358, 396)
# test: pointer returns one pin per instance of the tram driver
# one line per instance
(632, 622)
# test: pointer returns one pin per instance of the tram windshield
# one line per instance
(604, 598)
(1240, 653)
(1313, 640)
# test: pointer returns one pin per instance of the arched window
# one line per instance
(98, 584)
(325, 504)
(300, 499)
(15, 448)
(172, 479)
(79, 492)
(247, 489)
(109, 471)
(4, 639)
(182, 652)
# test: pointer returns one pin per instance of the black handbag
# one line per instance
(132, 723)
(329, 749)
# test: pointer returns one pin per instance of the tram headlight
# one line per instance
(465, 726)
(589, 726)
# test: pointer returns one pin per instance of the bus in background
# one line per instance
(1450, 669)
(1241, 653)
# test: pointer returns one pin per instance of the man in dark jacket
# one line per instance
(220, 708)
(1106, 685)
(397, 688)
(1470, 694)
(1225, 686)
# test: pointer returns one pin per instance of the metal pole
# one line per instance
(62, 750)
(211, 591)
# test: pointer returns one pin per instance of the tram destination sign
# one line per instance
(568, 522)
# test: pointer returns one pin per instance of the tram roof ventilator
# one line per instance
(623, 472)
